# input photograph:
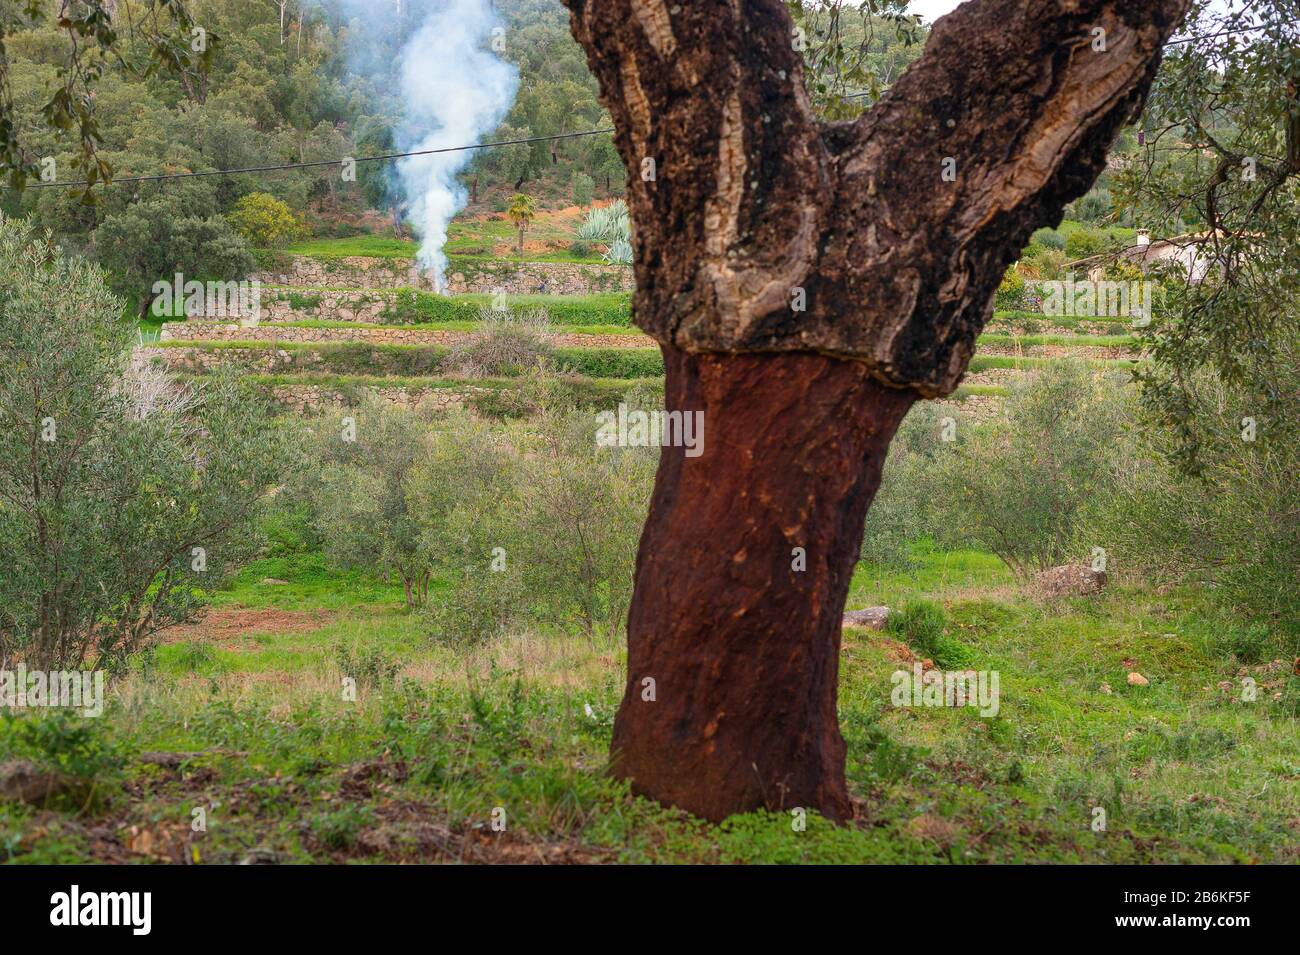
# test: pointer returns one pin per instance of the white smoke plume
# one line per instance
(454, 91)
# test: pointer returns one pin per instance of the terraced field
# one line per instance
(321, 341)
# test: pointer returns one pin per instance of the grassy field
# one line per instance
(441, 736)
(489, 236)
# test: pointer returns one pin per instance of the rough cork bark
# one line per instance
(756, 207)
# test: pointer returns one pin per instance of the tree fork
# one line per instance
(807, 282)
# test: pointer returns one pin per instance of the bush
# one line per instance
(579, 510)
(1048, 239)
(264, 220)
(903, 511)
(554, 543)
(1085, 242)
(584, 188)
(609, 225)
(357, 482)
(369, 665)
(1094, 207)
(1011, 293)
(1017, 486)
(507, 344)
(1041, 262)
(1232, 525)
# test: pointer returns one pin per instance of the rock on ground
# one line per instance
(873, 618)
(26, 782)
(1070, 580)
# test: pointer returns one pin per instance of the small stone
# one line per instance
(1105, 688)
(1137, 679)
(872, 618)
(1070, 580)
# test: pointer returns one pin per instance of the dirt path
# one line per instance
(229, 627)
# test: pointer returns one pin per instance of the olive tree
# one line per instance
(122, 494)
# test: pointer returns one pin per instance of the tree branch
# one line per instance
(757, 208)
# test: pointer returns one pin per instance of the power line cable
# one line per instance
(452, 149)
(326, 162)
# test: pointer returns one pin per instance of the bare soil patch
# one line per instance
(231, 626)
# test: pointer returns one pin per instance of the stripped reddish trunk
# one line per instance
(808, 281)
(743, 648)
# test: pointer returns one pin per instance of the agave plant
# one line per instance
(619, 252)
(609, 225)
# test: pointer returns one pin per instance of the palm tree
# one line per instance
(522, 210)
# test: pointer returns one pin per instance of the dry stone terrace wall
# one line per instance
(369, 306)
(383, 335)
(1001, 350)
(513, 278)
(202, 361)
(307, 396)
(234, 332)
(302, 398)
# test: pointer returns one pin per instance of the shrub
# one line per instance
(610, 226)
(1095, 206)
(1011, 293)
(584, 187)
(1085, 242)
(264, 220)
(368, 665)
(508, 343)
(1048, 239)
(903, 511)
(579, 510)
(357, 484)
(1017, 486)
(1042, 262)
(85, 761)
(555, 540)
(1233, 524)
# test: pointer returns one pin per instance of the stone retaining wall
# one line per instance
(1057, 351)
(308, 398)
(463, 276)
(325, 306)
(977, 407)
(234, 332)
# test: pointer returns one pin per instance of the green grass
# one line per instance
(421, 361)
(412, 770)
(476, 239)
(448, 326)
(466, 242)
(984, 362)
(371, 246)
(1073, 341)
(980, 391)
